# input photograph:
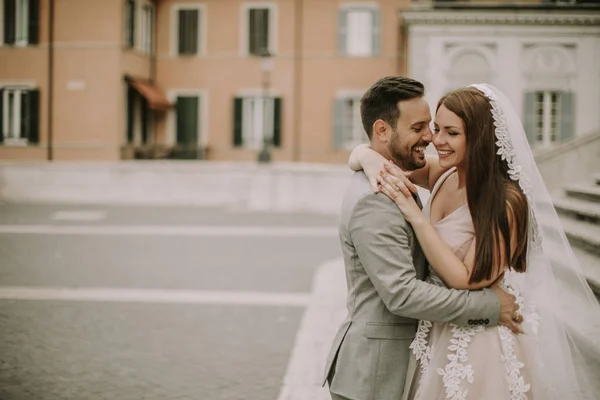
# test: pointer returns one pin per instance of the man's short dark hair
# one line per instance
(381, 100)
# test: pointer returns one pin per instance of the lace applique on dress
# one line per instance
(456, 371)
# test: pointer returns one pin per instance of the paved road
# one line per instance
(215, 316)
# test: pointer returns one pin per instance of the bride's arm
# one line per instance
(363, 157)
(451, 270)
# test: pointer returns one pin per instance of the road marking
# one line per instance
(79, 215)
(171, 230)
(131, 295)
(322, 317)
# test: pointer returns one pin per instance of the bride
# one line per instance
(490, 216)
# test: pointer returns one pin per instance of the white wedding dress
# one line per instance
(475, 362)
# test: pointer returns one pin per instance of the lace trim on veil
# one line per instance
(507, 152)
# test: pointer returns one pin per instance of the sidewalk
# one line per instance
(244, 186)
(325, 312)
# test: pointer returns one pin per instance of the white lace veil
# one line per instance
(562, 314)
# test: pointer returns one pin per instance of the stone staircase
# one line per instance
(579, 212)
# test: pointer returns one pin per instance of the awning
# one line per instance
(155, 97)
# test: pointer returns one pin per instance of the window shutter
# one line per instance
(187, 121)
(277, 122)
(342, 31)
(188, 31)
(130, 23)
(258, 31)
(34, 22)
(30, 116)
(237, 122)
(144, 120)
(338, 124)
(567, 118)
(130, 113)
(376, 32)
(529, 117)
(10, 21)
(1, 115)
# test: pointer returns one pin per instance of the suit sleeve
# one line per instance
(382, 237)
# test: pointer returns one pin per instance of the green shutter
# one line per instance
(144, 117)
(130, 23)
(277, 122)
(258, 31)
(188, 32)
(376, 32)
(567, 118)
(342, 31)
(529, 117)
(237, 122)
(34, 22)
(130, 114)
(338, 124)
(30, 116)
(10, 21)
(1, 115)
(187, 121)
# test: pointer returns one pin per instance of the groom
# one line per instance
(385, 265)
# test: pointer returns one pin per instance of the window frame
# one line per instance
(343, 142)
(546, 118)
(146, 39)
(245, 26)
(202, 29)
(375, 43)
(5, 87)
(203, 116)
(28, 41)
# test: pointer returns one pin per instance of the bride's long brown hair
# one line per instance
(489, 187)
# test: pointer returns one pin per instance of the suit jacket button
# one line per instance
(487, 321)
(470, 322)
(480, 322)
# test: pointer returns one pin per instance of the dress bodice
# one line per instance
(456, 229)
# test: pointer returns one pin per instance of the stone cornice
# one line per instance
(488, 17)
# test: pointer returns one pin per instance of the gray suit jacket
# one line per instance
(385, 268)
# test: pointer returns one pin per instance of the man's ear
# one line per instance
(381, 131)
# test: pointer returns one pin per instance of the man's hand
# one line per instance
(509, 310)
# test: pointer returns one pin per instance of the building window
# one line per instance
(359, 31)
(130, 23)
(147, 27)
(189, 24)
(19, 22)
(257, 120)
(188, 123)
(19, 115)
(348, 128)
(259, 29)
(548, 117)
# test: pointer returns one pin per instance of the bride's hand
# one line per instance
(393, 187)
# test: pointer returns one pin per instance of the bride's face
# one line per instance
(449, 138)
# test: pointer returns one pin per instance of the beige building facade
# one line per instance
(215, 79)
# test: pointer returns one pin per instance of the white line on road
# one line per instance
(172, 230)
(79, 215)
(127, 295)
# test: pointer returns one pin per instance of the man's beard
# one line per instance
(406, 159)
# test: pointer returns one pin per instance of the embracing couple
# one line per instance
(461, 299)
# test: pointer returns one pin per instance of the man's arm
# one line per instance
(381, 238)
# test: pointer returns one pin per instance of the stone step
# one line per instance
(583, 192)
(563, 263)
(590, 264)
(578, 209)
(581, 234)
